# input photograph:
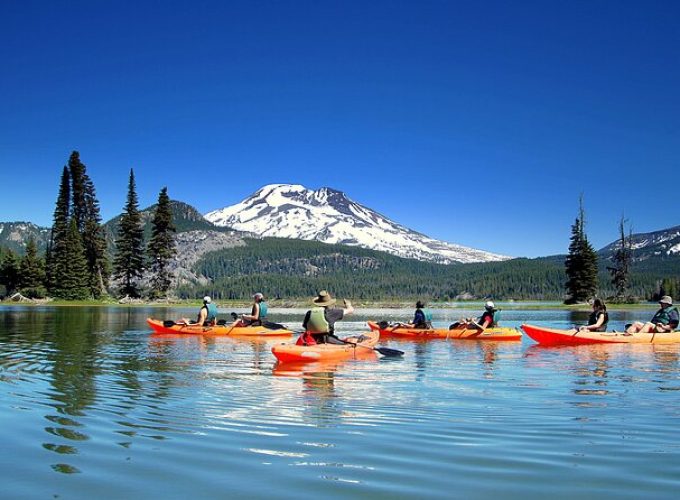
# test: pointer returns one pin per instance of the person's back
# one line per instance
(422, 318)
(207, 315)
(319, 322)
(491, 316)
(257, 313)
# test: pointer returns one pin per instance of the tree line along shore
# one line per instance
(80, 265)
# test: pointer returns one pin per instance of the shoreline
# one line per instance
(301, 303)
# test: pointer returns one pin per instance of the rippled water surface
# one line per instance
(93, 405)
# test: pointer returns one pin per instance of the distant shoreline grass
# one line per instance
(301, 303)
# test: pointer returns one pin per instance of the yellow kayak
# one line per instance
(495, 334)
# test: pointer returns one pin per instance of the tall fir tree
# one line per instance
(161, 248)
(85, 210)
(77, 171)
(73, 284)
(622, 259)
(56, 252)
(94, 241)
(32, 272)
(581, 263)
(128, 263)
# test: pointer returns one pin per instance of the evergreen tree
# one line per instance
(620, 271)
(161, 248)
(56, 260)
(77, 172)
(581, 263)
(9, 272)
(94, 242)
(128, 263)
(73, 283)
(32, 272)
(85, 210)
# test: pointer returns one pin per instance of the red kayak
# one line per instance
(554, 336)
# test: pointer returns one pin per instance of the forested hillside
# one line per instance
(294, 268)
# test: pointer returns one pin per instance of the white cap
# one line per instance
(258, 295)
(207, 299)
(489, 305)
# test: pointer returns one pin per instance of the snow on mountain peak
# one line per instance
(327, 215)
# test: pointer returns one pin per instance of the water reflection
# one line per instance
(96, 394)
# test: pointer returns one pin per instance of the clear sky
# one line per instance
(475, 122)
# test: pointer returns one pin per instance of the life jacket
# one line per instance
(306, 339)
(317, 322)
(593, 320)
(263, 310)
(427, 315)
(663, 315)
(494, 317)
(211, 313)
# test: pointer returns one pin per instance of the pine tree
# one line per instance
(56, 254)
(73, 284)
(32, 272)
(94, 242)
(620, 271)
(85, 210)
(77, 171)
(581, 263)
(9, 272)
(128, 263)
(161, 247)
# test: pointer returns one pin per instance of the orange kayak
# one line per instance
(159, 326)
(290, 352)
(554, 336)
(495, 334)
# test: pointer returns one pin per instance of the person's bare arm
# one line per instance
(348, 309)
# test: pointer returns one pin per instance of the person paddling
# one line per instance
(422, 318)
(489, 319)
(207, 315)
(257, 314)
(319, 322)
(665, 319)
(598, 319)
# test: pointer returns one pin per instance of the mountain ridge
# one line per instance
(328, 215)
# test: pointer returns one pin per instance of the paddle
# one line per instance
(385, 351)
(170, 323)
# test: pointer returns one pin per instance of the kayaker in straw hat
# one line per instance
(319, 322)
(665, 319)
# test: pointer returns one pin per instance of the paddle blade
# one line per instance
(273, 326)
(386, 351)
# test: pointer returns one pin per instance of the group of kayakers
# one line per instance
(319, 321)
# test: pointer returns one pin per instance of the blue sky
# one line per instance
(474, 122)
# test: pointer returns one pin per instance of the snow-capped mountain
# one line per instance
(663, 243)
(327, 215)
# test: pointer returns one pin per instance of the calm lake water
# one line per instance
(93, 405)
